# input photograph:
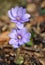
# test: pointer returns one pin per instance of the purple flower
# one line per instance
(19, 16)
(19, 37)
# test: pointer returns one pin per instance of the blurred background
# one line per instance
(32, 53)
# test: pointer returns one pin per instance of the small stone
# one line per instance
(31, 8)
(4, 28)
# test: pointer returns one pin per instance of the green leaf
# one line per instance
(32, 34)
(42, 11)
(29, 43)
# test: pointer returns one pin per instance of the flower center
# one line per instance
(19, 37)
(18, 18)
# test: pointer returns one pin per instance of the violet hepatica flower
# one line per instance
(19, 37)
(19, 16)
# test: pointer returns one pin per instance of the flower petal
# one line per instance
(27, 36)
(25, 40)
(24, 20)
(14, 11)
(15, 46)
(25, 17)
(20, 12)
(9, 14)
(24, 31)
(24, 11)
(13, 34)
(20, 25)
(14, 31)
(12, 42)
(15, 21)
(21, 42)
